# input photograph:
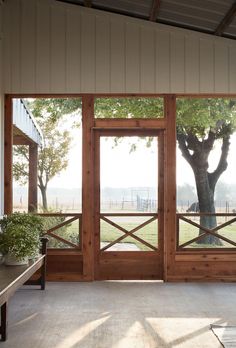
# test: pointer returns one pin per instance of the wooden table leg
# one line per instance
(4, 323)
(43, 268)
(43, 275)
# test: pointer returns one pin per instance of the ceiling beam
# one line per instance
(154, 10)
(88, 3)
(228, 18)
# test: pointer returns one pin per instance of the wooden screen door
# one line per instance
(129, 192)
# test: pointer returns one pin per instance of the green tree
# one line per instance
(52, 157)
(200, 123)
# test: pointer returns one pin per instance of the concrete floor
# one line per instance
(120, 315)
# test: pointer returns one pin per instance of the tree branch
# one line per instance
(222, 164)
(184, 148)
(209, 142)
(193, 142)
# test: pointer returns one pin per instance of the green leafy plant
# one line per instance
(20, 234)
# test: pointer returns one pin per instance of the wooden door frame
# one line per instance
(126, 132)
(84, 260)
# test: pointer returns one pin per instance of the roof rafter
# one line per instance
(88, 3)
(228, 18)
(154, 10)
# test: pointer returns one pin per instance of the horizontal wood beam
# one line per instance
(20, 140)
(154, 10)
(158, 123)
(88, 3)
(228, 18)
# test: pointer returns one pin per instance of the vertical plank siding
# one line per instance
(221, 68)
(147, 60)
(1, 114)
(102, 48)
(73, 49)
(27, 36)
(162, 60)
(42, 57)
(88, 71)
(53, 47)
(232, 69)
(14, 41)
(207, 66)
(192, 65)
(58, 50)
(132, 58)
(117, 57)
(177, 63)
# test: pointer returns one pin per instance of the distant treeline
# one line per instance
(186, 195)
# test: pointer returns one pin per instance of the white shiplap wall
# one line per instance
(51, 47)
(1, 116)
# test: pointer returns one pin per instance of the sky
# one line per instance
(120, 168)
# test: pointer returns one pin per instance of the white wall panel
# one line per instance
(132, 55)
(15, 46)
(177, 63)
(102, 54)
(207, 61)
(58, 50)
(53, 47)
(73, 52)
(1, 55)
(6, 36)
(88, 72)
(232, 70)
(28, 47)
(117, 78)
(147, 60)
(192, 73)
(221, 66)
(162, 61)
(1, 115)
(43, 41)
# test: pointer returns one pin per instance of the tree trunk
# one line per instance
(43, 191)
(206, 205)
(196, 153)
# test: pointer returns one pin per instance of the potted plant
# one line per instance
(20, 237)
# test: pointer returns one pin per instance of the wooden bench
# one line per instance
(13, 277)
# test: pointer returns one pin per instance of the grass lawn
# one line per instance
(148, 233)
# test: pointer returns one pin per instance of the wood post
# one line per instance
(8, 156)
(88, 187)
(161, 201)
(170, 184)
(33, 178)
(96, 205)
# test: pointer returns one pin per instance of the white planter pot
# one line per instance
(10, 260)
